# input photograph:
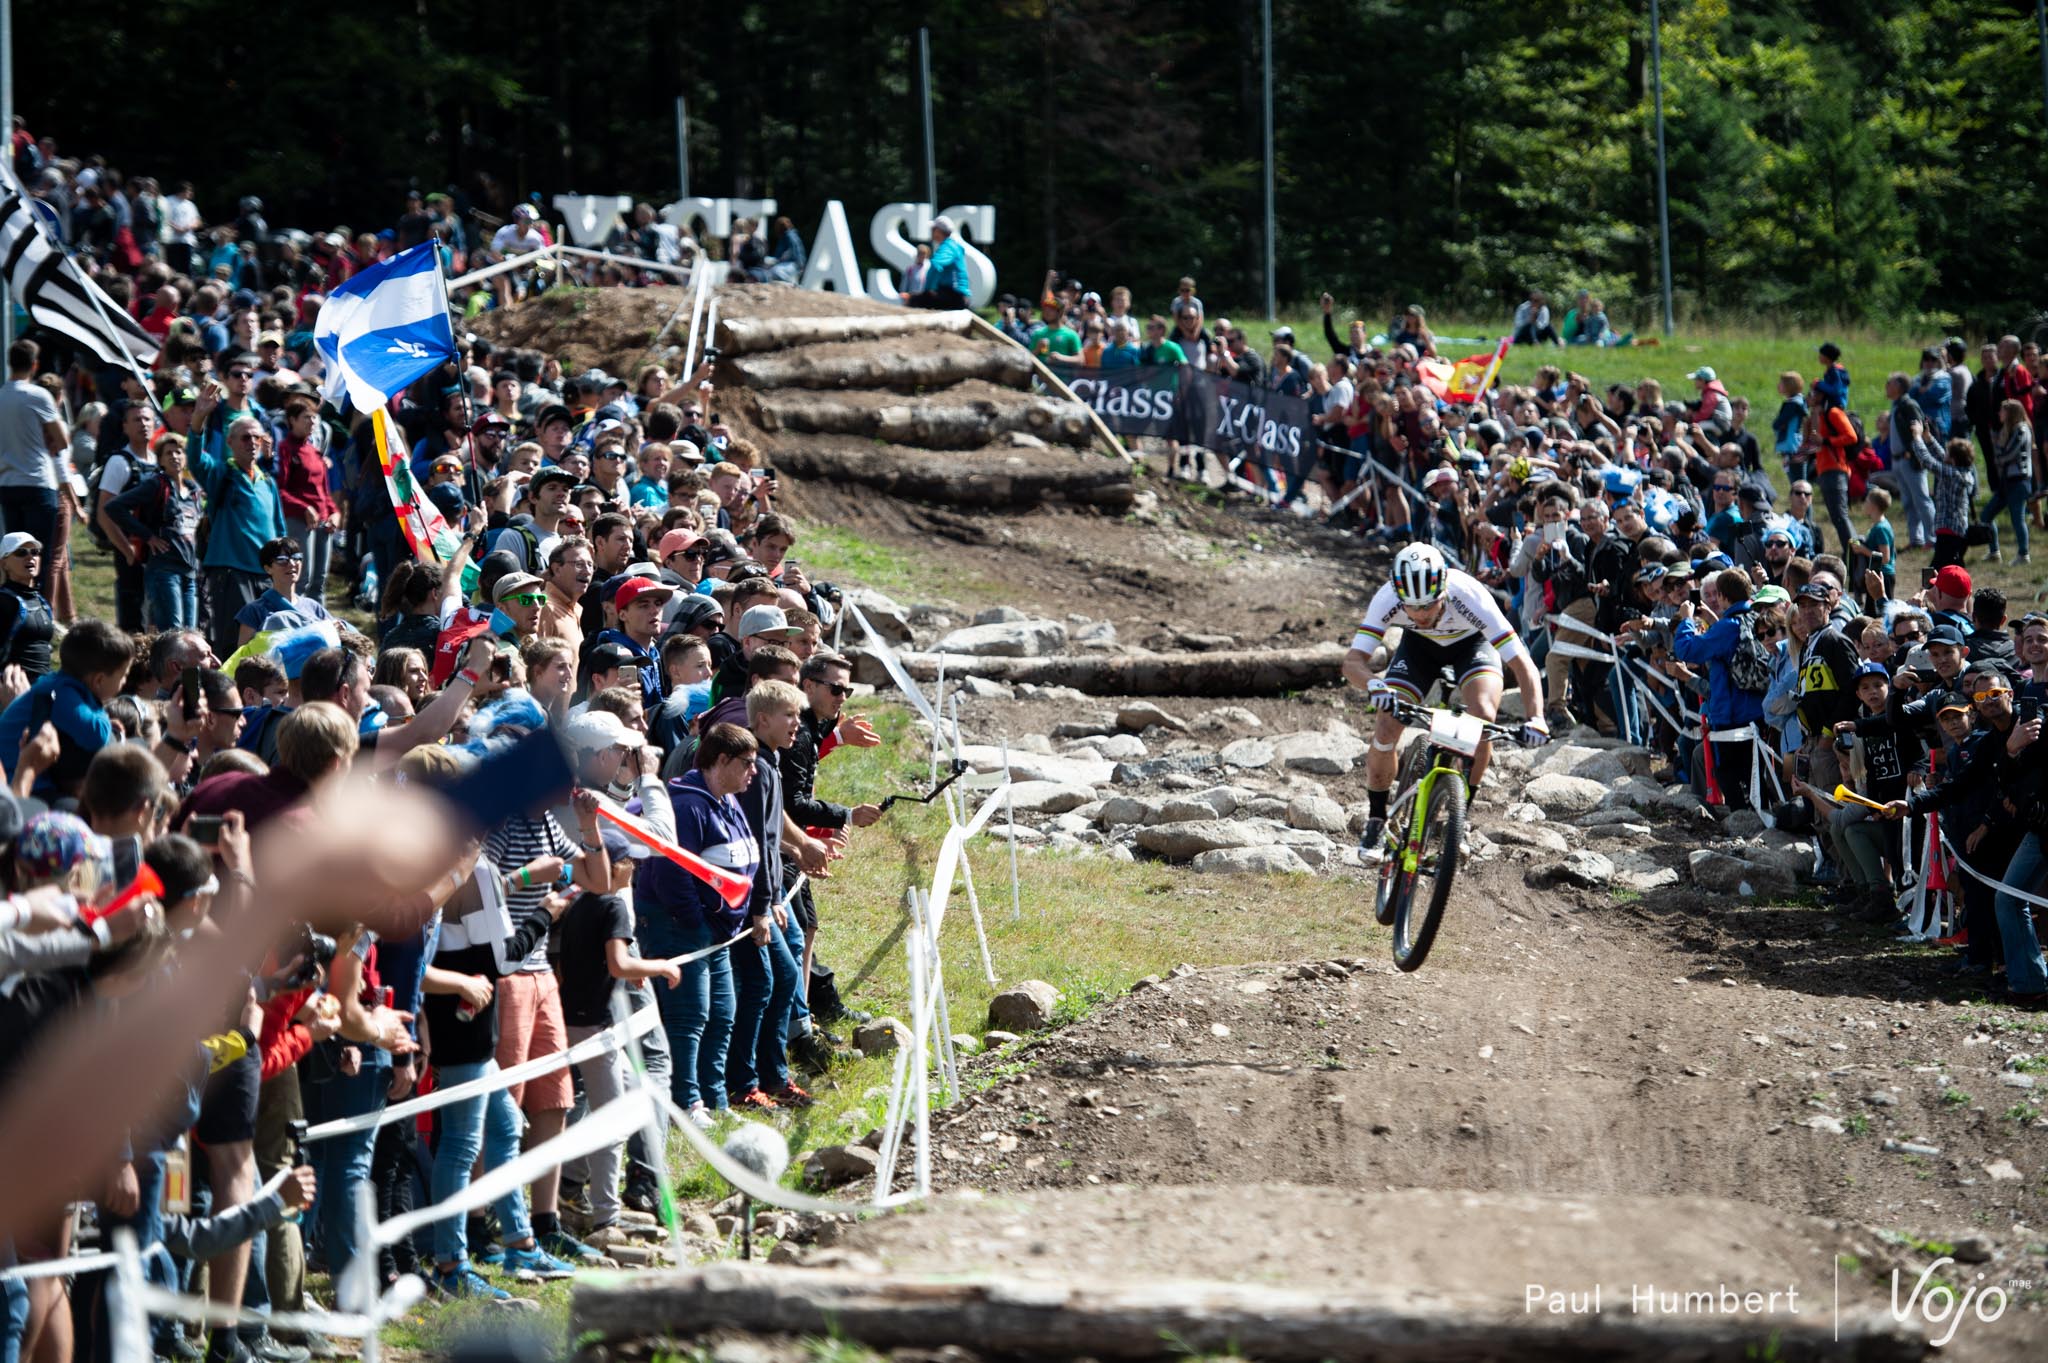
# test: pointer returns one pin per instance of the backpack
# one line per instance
(1752, 665)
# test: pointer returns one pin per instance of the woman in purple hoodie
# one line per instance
(678, 913)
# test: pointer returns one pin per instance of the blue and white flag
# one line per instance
(385, 327)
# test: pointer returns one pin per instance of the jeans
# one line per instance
(792, 935)
(318, 542)
(698, 1013)
(171, 598)
(2025, 970)
(341, 1164)
(33, 509)
(766, 976)
(2011, 498)
(1834, 494)
(1919, 506)
(488, 1123)
(13, 1318)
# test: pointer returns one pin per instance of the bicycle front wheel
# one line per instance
(1420, 912)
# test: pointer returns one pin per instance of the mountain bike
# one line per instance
(1426, 825)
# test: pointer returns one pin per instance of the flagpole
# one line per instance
(7, 125)
(92, 292)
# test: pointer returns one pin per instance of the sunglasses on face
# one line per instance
(840, 689)
(241, 373)
(1992, 694)
(1911, 636)
(528, 599)
(289, 558)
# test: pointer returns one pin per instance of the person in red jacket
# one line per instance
(311, 515)
(1835, 461)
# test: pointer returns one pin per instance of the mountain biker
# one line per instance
(1450, 622)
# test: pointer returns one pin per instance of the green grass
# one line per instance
(1954, 1097)
(829, 554)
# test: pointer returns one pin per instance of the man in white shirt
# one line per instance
(32, 438)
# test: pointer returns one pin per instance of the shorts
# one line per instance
(227, 1110)
(530, 1026)
(1420, 663)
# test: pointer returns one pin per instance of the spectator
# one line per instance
(1738, 669)
(945, 283)
(31, 439)
(2010, 457)
(1532, 321)
(245, 514)
(26, 626)
(161, 511)
(93, 663)
(311, 515)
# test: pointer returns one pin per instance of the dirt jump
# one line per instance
(1646, 1099)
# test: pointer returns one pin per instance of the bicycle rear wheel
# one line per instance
(1421, 910)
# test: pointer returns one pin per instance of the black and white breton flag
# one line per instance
(55, 292)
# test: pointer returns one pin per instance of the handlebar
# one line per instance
(1420, 717)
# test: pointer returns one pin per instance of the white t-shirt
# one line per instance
(1340, 397)
(121, 471)
(509, 240)
(1469, 608)
(183, 222)
(26, 410)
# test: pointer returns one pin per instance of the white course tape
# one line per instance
(701, 953)
(893, 665)
(610, 1039)
(58, 1268)
(752, 1184)
(1995, 883)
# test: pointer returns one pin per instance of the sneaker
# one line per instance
(700, 1117)
(464, 1281)
(789, 1095)
(851, 1017)
(492, 1255)
(568, 1250)
(226, 1346)
(1372, 842)
(754, 1098)
(181, 1347)
(575, 1197)
(538, 1262)
(1559, 718)
(271, 1349)
(812, 1054)
(641, 1195)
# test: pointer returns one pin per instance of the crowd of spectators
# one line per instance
(624, 580)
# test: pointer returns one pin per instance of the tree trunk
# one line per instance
(1051, 1319)
(995, 476)
(1239, 672)
(947, 422)
(748, 335)
(879, 366)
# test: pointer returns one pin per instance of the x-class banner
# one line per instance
(1179, 402)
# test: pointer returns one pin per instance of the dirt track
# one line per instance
(1632, 1088)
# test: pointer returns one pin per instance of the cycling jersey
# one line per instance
(1469, 609)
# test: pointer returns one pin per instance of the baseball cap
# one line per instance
(635, 588)
(1620, 482)
(1283, 334)
(596, 730)
(511, 584)
(490, 418)
(270, 338)
(1953, 580)
(1956, 707)
(1439, 475)
(685, 450)
(1946, 634)
(1871, 669)
(610, 654)
(553, 412)
(553, 473)
(1650, 572)
(1717, 560)
(766, 620)
(53, 843)
(1771, 594)
(675, 541)
(12, 543)
(448, 499)
(1704, 372)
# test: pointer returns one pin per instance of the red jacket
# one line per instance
(1838, 442)
(302, 482)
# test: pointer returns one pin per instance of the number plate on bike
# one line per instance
(1461, 734)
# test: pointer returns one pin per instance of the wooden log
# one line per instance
(1235, 672)
(1056, 383)
(993, 476)
(878, 365)
(1022, 1317)
(750, 335)
(946, 422)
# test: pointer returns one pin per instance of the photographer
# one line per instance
(1738, 669)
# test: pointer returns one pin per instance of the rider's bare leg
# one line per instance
(1384, 755)
(1482, 701)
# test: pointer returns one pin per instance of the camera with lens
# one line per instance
(1793, 816)
(311, 953)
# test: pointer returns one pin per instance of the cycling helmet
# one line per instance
(1419, 575)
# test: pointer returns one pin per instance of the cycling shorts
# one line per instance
(1420, 663)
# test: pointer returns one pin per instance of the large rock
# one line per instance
(1185, 841)
(890, 620)
(1248, 754)
(981, 688)
(1007, 639)
(1151, 769)
(1562, 796)
(1026, 1007)
(1323, 754)
(1542, 836)
(999, 615)
(1727, 874)
(1316, 813)
(1126, 809)
(831, 1166)
(1091, 726)
(1223, 799)
(1121, 747)
(1185, 809)
(1036, 766)
(1049, 797)
(1587, 870)
(1141, 715)
(1227, 718)
(880, 1036)
(1633, 793)
(1252, 861)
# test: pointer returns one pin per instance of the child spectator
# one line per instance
(162, 510)
(1884, 753)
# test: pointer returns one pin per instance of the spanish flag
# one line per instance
(1464, 380)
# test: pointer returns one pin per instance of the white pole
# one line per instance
(129, 1323)
(683, 145)
(1010, 813)
(938, 709)
(1663, 201)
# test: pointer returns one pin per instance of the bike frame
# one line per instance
(1418, 813)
